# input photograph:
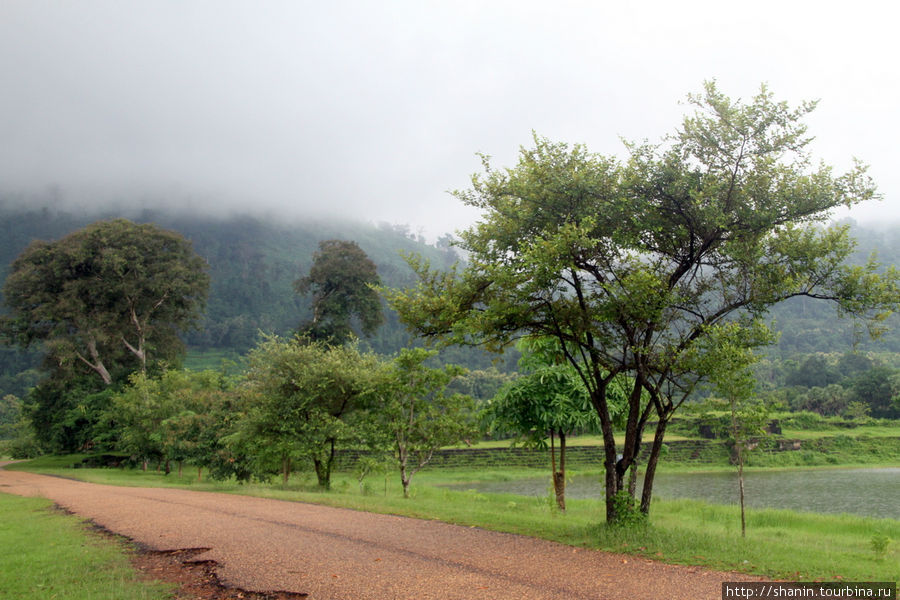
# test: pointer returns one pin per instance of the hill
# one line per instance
(253, 263)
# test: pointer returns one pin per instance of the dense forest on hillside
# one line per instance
(254, 262)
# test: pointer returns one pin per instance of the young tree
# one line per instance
(341, 281)
(549, 400)
(630, 265)
(106, 296)
(138, 413)
(418, 417)
(732, 378)
(297, 400)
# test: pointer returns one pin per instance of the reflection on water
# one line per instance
(867, 492)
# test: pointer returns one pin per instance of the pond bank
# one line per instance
(775, 452)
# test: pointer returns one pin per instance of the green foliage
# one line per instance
(628, 513)
(879, 544)
(298, 400)
(106, 297)
(411, 407)
(813, 371)
(879, 388)
(10, 415)
(633, 265)
(341, 280)
(17, 438)
(549, 396)
(67, 413)
(178, 415)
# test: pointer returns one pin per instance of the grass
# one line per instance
(780, 544)
(200, 360)
(48, 555)
(875, 431)
(586, 440)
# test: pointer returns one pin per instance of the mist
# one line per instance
(374, 111)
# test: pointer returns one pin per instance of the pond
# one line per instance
(866, 492)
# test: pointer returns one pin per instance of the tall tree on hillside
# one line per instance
(631, 265)
(106, 296)
(341, 280)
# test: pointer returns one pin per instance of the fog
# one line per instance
(375, 110)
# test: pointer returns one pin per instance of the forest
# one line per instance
(253, 263)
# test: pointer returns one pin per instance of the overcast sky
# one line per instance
(374, 109)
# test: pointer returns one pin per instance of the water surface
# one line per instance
(867, 492)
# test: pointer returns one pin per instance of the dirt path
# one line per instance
(328, 553)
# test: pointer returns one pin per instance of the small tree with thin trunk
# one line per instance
(547, 401)
(730, 361)
(416, 414)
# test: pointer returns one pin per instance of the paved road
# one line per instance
(328, 553)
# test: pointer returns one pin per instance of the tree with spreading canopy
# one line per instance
(632, 264)
(341, 281)
(298, 402)
(106, 297)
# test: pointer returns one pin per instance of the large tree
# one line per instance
(341, 281)
(632, 264)
(106, 296)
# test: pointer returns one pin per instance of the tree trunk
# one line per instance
(144, 465)
(199, 474)
(650, 473)
(97, 364)
(323, 468)
(632, 479)
(559, 476)
(615, 467)
(180, 465)
(598, 399)
(402, 459)
(741, 486)
(285, 469)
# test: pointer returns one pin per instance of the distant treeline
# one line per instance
(253, 263)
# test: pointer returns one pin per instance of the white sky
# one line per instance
(375, 109)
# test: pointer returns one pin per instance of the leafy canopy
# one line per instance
(631, 265)
(411, 406)
(341, 281)
(106, 296)
(298, 397)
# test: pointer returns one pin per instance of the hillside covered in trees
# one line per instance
(253, 264)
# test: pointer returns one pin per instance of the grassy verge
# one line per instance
(780, 544)
(50, 555)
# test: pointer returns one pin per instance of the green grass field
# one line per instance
(46, 555)
(780, 544)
